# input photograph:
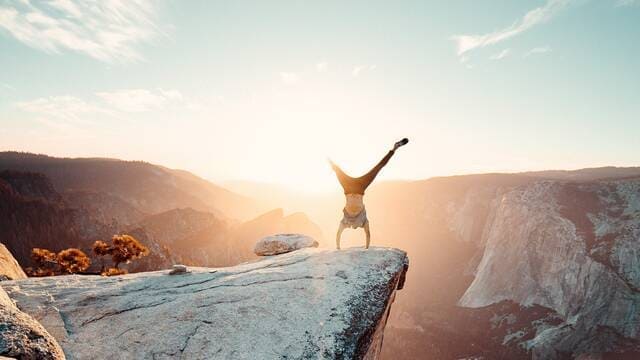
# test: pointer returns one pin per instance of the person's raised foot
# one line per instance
(402, 142)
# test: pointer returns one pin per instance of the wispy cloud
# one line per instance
(80, 109)
(289, 78)
(501, 55)
(537, 50)
(64, 107)
(468, 42)
(107, 30)
(140, 100)
(359, 69)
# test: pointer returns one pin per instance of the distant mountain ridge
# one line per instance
(175, 213)
(149, 188)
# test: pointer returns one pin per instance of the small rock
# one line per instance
(178, 270)
(283, 243)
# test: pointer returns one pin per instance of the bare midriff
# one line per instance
(354, 205)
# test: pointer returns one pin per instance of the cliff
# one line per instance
(539, 265)
(572, 248)
(308, 303)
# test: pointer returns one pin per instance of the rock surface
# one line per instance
(9, 267)
(311, 303)
(22, 337)
(283, 243)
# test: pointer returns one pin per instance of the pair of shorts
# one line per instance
(354, 221)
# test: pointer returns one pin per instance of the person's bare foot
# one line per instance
(402, 142)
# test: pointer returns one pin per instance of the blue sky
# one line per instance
(266, 90)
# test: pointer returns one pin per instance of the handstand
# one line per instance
(355, 215)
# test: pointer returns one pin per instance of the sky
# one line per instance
(268, 90)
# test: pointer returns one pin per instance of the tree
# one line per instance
(72, 261)
(46, 262)
(101, 249)
(123, 249)
(69, 261)
(126, 248)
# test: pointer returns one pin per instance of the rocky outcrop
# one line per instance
(283, 243)
(22, 337)
(308, 303)
(9, 267)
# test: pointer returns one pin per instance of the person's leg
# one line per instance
(367, 232)
(343, 178)
(367, 178)
(339, 234)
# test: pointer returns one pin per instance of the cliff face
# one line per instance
(308, 303)
(572, 248)
(541, 265)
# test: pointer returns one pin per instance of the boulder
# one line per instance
(9, 267)
(311, 303)
(178, 270)
(22, 337)
(283, 243)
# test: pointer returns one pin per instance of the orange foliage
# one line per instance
(69, 261)
(123, 249)
(72, 261)
(113, 271)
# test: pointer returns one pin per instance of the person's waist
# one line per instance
(354, 208)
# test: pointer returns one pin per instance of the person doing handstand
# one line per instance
(354, 213)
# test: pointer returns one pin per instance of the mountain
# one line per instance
(34, 214)
(149, 188)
